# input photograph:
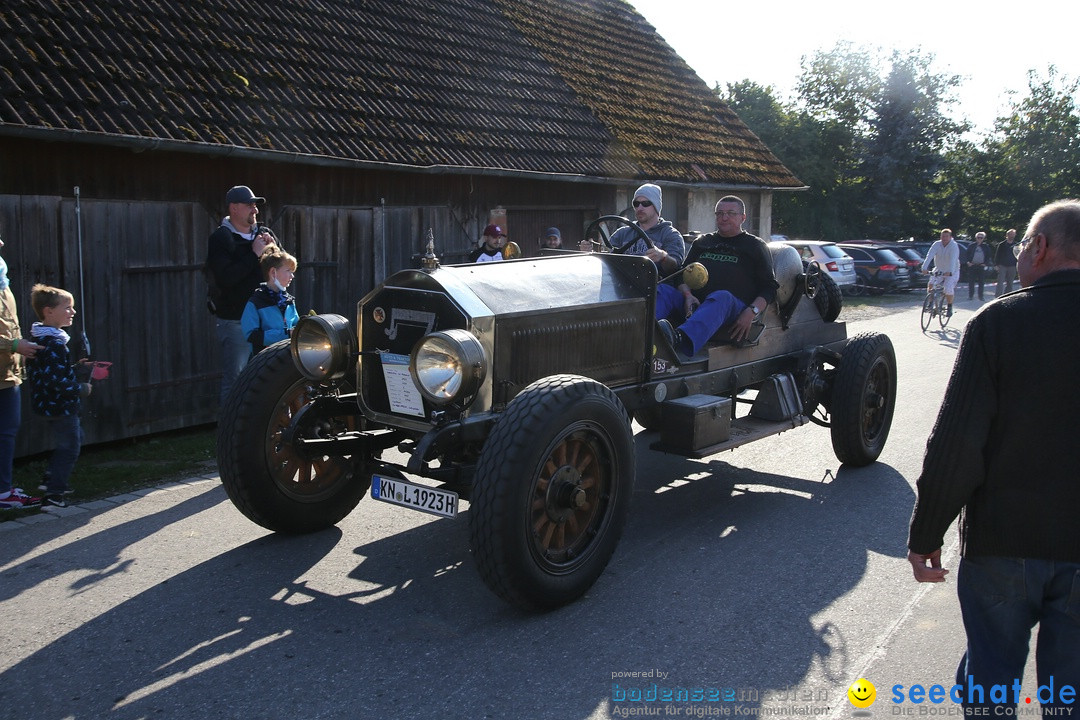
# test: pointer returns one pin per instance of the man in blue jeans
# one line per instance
(741, 284)
(232, 264)
(1004, 452)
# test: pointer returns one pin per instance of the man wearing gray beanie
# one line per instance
(670, 249)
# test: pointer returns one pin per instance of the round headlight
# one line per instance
(448, 366)
(322, 347)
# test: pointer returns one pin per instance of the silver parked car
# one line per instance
(832, 259)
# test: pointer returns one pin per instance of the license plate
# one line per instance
(418, 497)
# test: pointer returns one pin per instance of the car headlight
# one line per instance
(323, 347)
(448, 366)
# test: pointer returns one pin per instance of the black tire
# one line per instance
(828, 298)
(552, 492)
(943, 312)
(863, 399)
(927, 311)
(267, 479)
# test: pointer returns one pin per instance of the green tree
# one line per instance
(904, 149)
(1031, 158)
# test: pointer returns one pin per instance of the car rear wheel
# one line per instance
(266, 478)
(863, 398)
(552, 492)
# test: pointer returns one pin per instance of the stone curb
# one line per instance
(52, 513)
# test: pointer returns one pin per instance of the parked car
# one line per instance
(906, 252)
(837, 263)
(877, 268)
(512, 385)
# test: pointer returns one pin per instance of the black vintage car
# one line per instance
(512, 385)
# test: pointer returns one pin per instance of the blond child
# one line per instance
(54, 390)
(270, 314)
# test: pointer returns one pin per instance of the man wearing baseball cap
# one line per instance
(232, 274)
(551, 239)
(491, 247)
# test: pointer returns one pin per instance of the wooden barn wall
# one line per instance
(144, 219)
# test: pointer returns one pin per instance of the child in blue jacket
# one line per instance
(270, 314)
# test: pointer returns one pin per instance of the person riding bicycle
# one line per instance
(945, 255)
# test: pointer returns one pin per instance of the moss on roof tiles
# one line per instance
(407, 81)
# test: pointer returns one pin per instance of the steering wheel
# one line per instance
(605, 239)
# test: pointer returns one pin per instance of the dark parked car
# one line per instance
(512, 385)
(877, 268)
(912, 257)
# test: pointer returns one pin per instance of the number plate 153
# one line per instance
(418, 497)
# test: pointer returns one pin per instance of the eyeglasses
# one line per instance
(728, 213)
(642, 203)
(1020, 245)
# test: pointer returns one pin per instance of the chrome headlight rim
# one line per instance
(323, 347)
(448, 367)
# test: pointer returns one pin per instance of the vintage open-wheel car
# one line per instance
(512, 386)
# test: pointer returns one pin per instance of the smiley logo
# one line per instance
(862, 693)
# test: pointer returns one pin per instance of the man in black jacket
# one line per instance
(1004, 451)
(741, 284)
(232, 264)
(976, 259)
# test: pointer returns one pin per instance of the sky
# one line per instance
(990, 45)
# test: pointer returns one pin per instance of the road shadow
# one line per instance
(716, 584)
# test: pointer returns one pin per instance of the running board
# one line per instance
(743, 430)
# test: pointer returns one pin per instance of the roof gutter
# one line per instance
(139, 144)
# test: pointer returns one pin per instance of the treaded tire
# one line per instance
(552, 492)
(265, 478)
(863, 399)
(828, 298)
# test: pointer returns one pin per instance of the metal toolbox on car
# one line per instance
(695, 421)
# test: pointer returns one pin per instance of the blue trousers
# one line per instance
(235, 352)
(10, 416)
(719, 309)
(1001, 599)
(67, 436)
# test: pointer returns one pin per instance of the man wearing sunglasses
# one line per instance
(1003, 455)
(670, 249)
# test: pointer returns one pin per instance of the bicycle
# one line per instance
(934, 304)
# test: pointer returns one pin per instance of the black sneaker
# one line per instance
(55, 500)
(676, 338)
(948, 313)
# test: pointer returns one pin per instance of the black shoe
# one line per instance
(676, 339)
(55, 500)
(948, 313)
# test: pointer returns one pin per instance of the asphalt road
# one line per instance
(766, 580)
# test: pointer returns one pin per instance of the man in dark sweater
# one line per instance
(1004, 454)
(741, 284)
(232, 265)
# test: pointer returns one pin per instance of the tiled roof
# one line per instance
(581, 87)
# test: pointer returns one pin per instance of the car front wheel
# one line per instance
(265, 476)
(552, 492)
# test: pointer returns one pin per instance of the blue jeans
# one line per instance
(10, 415)
(719, 309)
(67, 436)
(1001, 599)
(235, 352)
